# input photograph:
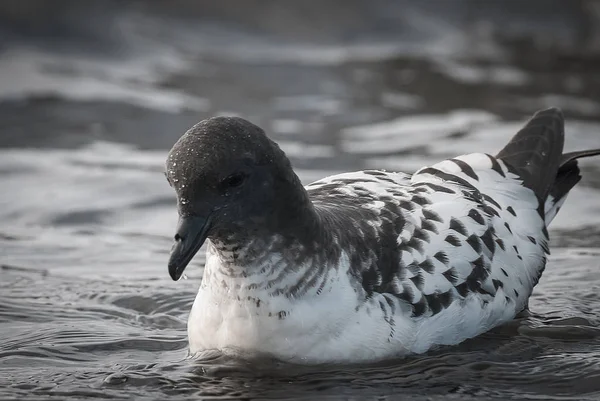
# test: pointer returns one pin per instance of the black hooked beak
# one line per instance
(191, 234)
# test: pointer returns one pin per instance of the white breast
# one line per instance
(326, 328)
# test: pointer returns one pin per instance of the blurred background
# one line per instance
(94, 93)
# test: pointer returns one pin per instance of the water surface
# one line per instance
(87, 309)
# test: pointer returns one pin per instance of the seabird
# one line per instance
(364, 265)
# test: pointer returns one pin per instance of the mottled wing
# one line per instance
(463, 227)
(484, 236)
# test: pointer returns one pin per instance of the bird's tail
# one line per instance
(535, 154)
(567, 177)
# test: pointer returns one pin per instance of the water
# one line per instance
(89, 111)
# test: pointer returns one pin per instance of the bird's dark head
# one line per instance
(229, 178)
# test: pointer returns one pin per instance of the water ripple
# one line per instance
(87, 308)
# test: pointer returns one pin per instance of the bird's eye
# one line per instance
(234, 180)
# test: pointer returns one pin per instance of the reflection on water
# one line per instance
(87, 308)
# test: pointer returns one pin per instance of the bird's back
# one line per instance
(461, 232)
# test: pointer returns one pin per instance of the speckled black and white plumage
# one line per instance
(363, 265)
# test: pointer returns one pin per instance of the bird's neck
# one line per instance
(265, 268)
(276, 249)
(290, 224)
(252, 249)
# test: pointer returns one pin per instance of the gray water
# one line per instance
(93, 94)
